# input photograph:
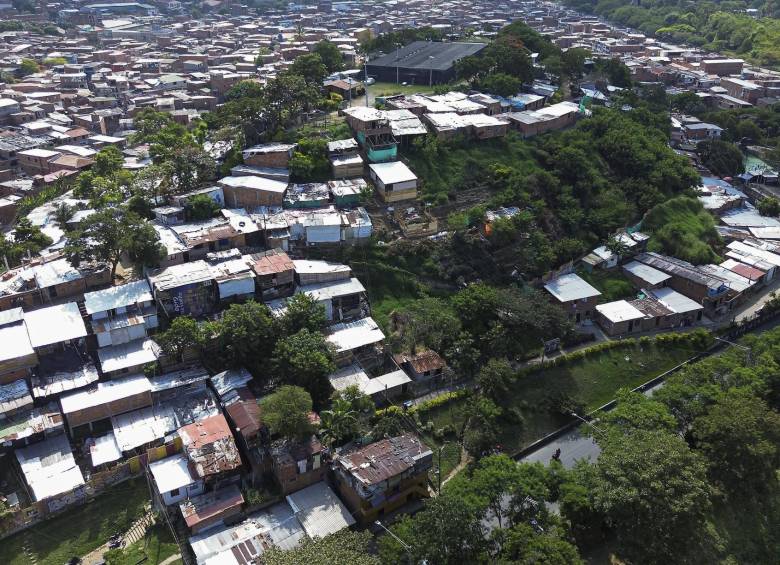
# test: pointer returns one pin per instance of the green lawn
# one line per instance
(79, 530)
(155, 548)
(612, 284)
(591, 382)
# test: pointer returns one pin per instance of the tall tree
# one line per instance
(330, 55)
(740, 437)
(445, 532)
(305, 359)
(302, 312)
(108, 233)
(654, 492)
(247, 336)
(286, 412)
(108, 161)
(339, 423)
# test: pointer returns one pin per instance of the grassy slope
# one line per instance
(449, 171)
(612, 284)
(79, 530)
(155, 548)
(593, 381)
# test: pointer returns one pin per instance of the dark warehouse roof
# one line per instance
(417, 55)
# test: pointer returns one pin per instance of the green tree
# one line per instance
(55, 61)
(615, 71)
(573, 61)
(302, 311)
(654, 492)
(345, 546)
(247, 336)
(305, 359)
(286, 412)
(769, 206)
(495, 379)
(201, 207)
(108, 233)
(688, 103)
(446, 531)
(310, 67)
(182, 335)
(29, 237)
(524, 544)
(244, 89)
(486, 487)
(501, 84)
(740, 437)
(339, 423)
(428, 323)
(28, 67)
(635, 411)
(63, 213)
(330, 55)
(721, 157)
(108, 161)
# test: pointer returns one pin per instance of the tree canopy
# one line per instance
(286, 412)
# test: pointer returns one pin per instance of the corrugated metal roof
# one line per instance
(319, 510)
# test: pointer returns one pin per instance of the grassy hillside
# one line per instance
(683, 228)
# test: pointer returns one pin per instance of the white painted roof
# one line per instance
(355, 334)
(619, 311)
(674, 301)
(117, 296)
(394, 172)
(15, 340)
(171, 473)
(130, 354)
(255, 183)
(104, 392)
(570, 287)
(49, 467)
(649, 274)
(332, 289)
(105, 450)
(54, 324)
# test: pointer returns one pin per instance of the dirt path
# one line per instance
(465, 459)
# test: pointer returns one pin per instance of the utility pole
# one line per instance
(747, 349)
(397, 55)
(365, 71)
(430, 66)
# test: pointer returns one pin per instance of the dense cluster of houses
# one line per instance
(672, 293)
(81, 409)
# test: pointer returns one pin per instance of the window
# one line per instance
(174, 492)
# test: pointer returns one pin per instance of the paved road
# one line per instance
(573, 445)
(762, 297)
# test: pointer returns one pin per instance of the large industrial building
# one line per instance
(421, 62)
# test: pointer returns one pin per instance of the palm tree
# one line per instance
(338, 423)
(63, 213)
(617, 246)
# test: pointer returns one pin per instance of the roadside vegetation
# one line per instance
(690, 472)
